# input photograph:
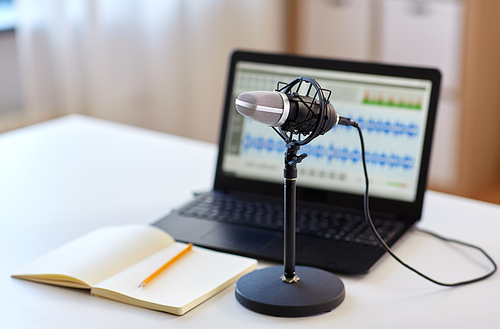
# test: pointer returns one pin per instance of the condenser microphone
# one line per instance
(291, 112)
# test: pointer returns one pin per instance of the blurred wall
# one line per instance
(155, 64)
(163, 64)
(11, 97)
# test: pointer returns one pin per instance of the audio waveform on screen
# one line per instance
(387, 127)
(330, 152)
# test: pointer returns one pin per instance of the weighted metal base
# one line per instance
(263, 291)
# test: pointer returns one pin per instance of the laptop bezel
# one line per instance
(402, 210)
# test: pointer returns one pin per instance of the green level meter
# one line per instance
(396, 184)
(391, 103)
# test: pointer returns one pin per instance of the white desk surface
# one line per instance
(65, 177)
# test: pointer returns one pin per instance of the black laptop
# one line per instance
(243, 214)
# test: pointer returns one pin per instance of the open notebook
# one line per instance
(113, 261)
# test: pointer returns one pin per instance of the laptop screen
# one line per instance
(392, 113)
(394, 105)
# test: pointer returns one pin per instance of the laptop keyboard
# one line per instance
(325, 224)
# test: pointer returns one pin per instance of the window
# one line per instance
(7, 15)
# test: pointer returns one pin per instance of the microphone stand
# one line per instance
(278, 290)
(265, 291)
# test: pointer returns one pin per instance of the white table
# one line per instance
(63, 178)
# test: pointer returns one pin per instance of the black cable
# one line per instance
(349, 122)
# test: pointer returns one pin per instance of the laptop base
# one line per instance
(264, 292)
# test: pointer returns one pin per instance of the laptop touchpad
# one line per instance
(240, 238)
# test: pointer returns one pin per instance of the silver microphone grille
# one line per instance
(262, 106)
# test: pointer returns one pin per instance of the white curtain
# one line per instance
(151, 63)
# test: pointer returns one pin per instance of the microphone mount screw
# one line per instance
(297, 159)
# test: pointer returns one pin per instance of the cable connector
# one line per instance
(347, 122)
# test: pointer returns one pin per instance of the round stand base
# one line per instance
(317, 291)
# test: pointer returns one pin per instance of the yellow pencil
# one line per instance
(167, 264)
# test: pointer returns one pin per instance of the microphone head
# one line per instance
(266, 107)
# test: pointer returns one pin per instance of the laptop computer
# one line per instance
(243, 214)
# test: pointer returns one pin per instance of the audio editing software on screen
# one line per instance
(391, 112)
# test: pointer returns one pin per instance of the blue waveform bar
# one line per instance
(387, 127)
(330, 153)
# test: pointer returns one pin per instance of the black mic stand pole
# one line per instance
(290, 197)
